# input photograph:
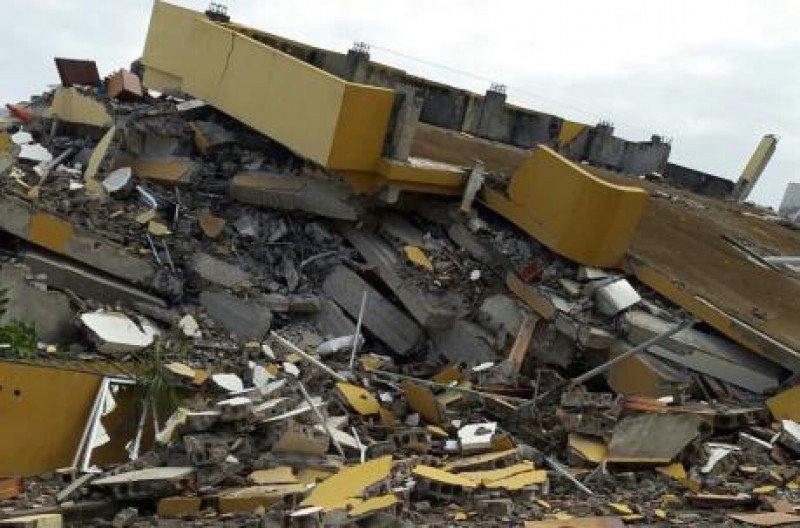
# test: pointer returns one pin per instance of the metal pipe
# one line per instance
(320, 417)
(608, 364)
(792, 261)
(358, 330)
(630, 353)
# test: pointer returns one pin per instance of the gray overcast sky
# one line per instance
(713, 75)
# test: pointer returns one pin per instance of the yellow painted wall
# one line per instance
(319, 116)
(43, 411)
(569, 210)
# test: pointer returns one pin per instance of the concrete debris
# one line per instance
(615, 297)
(383, 319)
(247, 320)
(116, 333)
(212, 314)
(216, 271)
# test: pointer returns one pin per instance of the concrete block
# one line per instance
(210, 136)
(595, 338)
(147, 483)
(463, 342)
(247, 320)
(302, 303)
(215, 271)
(23, 220)
(467, 241)
(331, 321)
(48, 311)
(431, 311)
(500, 314)
(398, 228)
(616, 297)
(381, 317)
(63, 273)
(328, 198)
(124, 85)
(706, 353)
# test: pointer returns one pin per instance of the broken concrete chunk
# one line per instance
(116, 333)
(467, 241)
(654, 437)
(189, 326)
(34, 152)
(431, 311)
(301, 303)
(247, 320)
(328, 198)
(124, 86)
(382, 318)
(705, 353)
(48, 312)
(210, 136)
(147, 483)
(586, 273)
(216, 271)
(338, 344)
(119, 181)
(500, 314)
(476, 437)
(400, 229)
(39, 520)
(616, 297)
(595, 338)
(330, 320)
(464, 342)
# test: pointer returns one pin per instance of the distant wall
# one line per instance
(790, 204)
(487, 116)
(697, 181)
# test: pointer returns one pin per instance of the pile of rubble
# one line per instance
(306, 356)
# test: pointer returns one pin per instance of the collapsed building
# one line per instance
(253, 282)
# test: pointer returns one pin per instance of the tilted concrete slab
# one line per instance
(431, 311)
(25, 221)
(706, 353)
(381, 317)
(328, 198)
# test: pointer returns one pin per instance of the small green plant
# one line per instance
(153, 382)
(19, 338)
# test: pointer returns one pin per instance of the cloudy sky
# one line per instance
(712, 75)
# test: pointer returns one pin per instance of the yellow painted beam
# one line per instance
(569, 210)
(336, 123)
